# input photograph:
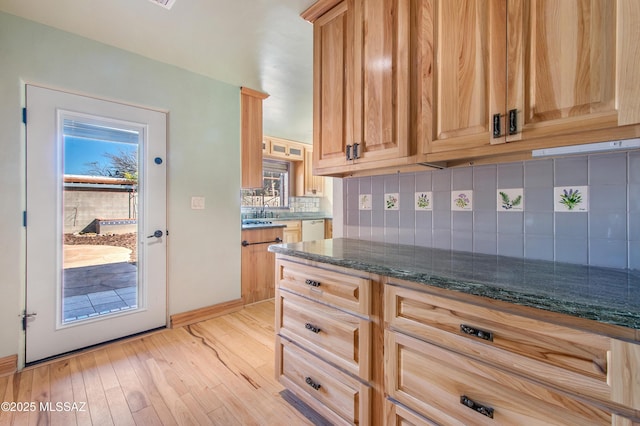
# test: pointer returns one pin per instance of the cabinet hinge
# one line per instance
(24, 115)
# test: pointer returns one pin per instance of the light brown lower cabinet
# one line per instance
(369, 350)
(292, 233)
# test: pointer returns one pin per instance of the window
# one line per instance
(275, 186)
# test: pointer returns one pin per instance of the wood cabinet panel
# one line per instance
(340, 337)
(336, 395)
(440, 383)
(564, 357)
(251, 137)
(255, 260)
(292, 233)
(336, 289)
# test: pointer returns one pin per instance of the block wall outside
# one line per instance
(83, 207)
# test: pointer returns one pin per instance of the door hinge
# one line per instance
(25, 318)
(24, 218)
(24, 115)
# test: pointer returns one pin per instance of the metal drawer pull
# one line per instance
(312, 283)
(485, 411)
(476, 332)
(312, 327)
(311, 383)
(497, 132)
(513, 121)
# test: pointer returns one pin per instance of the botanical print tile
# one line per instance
(364, 202)
(571, 198)
(510, 200)
(424, 200)
(462, 200)
(392, 201)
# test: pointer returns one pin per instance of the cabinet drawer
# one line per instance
(397, 415)
(334, 288)
(334, 394)
(453, 389)
(337, 336)
(568, 358)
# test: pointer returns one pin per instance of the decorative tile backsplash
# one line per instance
(582, 209)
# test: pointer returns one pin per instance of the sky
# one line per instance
(80, 151)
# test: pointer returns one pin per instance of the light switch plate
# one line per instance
(197, 203)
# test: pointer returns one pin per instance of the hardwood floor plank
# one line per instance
(134, 392)
(83, 417)
(62, 392)
(135, 355)
(217, 372)
(96, 398)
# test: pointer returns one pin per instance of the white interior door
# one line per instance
(85, 285)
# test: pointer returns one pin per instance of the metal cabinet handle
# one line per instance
(497, 132)
(356, 154)
(476, 332)
(513, 121)
(311, 383)
(312, 327)
(349, 153)
(485, 411)
(312, 283)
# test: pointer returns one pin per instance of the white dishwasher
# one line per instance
(313, 230)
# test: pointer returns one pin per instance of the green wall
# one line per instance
(203, 159)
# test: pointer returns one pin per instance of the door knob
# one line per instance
(156, 234)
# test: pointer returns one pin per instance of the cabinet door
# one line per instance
(381, 108)
(313, 185)
(464, 43)
(333, 81)
(561, 67)
(251, 137)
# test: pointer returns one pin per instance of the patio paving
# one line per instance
(98, 280)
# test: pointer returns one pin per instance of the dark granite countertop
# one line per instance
(262, 226)
(603, 294)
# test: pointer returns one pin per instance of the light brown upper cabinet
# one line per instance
(523, 70)
(361, 83)
(285, 149)
(251, 137)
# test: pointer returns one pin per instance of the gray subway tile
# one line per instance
(423, 181)
(353, 217)
(608, 253)
(462, 178)
(442, 201)
(608, 225)
(462, 241)
(407, 182)
(538, 174)
(353, 187)
(484, 200)
(510, 245)
(634, 167)
(485, 221)
(462, 221)
(377, 185)
(571, 171)
(485, 242)
(510, 223)
(634, 254)
(634, 226)
(442, 239)
(391, 219)
(538, 199)
(571, 250)
(608, 169)
(391, 183)
(441, 220)
(485, 178)
(442, 180)
(634, 198)
(406, 236)
(538, 223)
(391, 235)
(571, 225)
(365, 185)
(607, 198)
(538, 247)
(510, 175)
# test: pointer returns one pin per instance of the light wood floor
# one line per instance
(219, 372)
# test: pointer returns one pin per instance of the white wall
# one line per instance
(203, 159)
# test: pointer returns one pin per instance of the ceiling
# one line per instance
(261, 44)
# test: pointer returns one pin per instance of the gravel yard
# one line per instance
(117, 240)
